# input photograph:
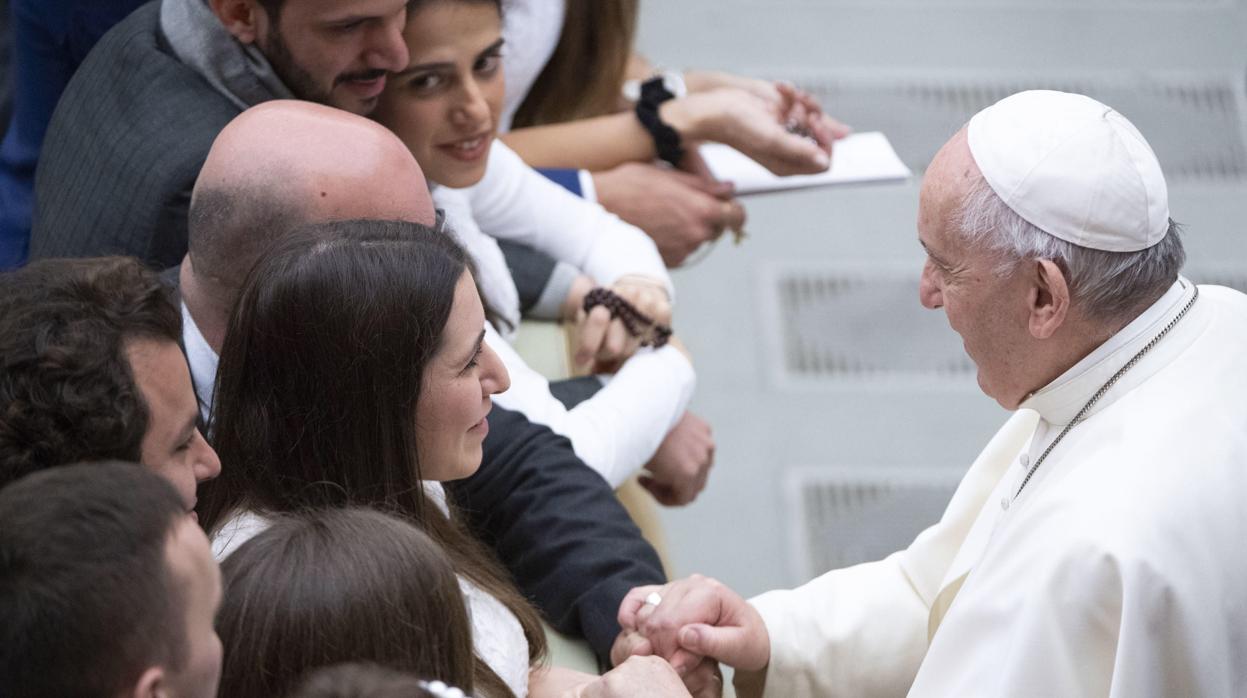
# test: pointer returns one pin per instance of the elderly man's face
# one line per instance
(987, 310)
(336, 53)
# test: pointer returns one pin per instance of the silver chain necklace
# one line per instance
(1104, 389)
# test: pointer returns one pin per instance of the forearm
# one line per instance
(593, 144)
(515, 203)
(617, 430)
(860, 631)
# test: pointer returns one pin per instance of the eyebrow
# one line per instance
(189, 430)
(497, 45)
(932, 254)
(476, 347)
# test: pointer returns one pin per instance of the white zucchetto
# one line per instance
(1074, 168)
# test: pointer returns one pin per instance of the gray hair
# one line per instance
(1108, 286)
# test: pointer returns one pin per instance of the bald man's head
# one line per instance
(284, 163)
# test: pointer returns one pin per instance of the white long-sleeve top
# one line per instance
(617, 430)
(514, 202)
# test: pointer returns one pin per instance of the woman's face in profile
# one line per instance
(455, 391)
(445, 105)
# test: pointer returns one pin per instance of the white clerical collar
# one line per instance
(1060, 400)
(203, 362)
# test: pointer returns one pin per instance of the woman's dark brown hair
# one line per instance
(318, 382)
(586, 72)
(339, 585)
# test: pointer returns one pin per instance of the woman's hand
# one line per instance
(604, 343)
(639, 676)
(550, 681)
(791, 137)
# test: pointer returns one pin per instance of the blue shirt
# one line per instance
(50, 38)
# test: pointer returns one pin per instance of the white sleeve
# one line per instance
(863, 630)
(617, 430)
(492, 274)
(514, 202)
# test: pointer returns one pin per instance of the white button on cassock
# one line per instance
(1024, 460)
(1004, 503)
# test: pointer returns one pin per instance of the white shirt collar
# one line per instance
(203, 362)
(1060, 400)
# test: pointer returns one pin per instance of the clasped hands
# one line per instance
(696, 623)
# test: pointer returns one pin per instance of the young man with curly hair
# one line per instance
(91, 369)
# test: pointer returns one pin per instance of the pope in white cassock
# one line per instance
(1098, 545)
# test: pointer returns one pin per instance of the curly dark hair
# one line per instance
(67, 393)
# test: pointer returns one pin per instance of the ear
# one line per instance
(239, 17)
(151, 684)
(1049, 299)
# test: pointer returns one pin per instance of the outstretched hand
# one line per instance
(792, 136)
(696, 618)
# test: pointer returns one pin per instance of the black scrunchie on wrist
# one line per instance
(666, 139)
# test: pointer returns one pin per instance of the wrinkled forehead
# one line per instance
(947, 181)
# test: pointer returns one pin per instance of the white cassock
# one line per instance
(1120, 570)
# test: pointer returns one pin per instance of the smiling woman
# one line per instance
(354, 374)
(445, 103)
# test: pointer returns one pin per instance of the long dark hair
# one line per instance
(584, 75)
(338, 585)
(319, 377)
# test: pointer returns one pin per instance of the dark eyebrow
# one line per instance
(476, 348)
(350, 19)
(496, 46)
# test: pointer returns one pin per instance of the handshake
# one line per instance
(690, 625)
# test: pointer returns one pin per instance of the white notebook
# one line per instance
(856, 159)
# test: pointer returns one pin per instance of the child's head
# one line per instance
(341, 585)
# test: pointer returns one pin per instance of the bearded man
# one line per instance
(136, 121)
(1095, 546)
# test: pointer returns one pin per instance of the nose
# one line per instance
(471, 108)
(207, 465)
(494, 376)
(929, 292)
(387, 49)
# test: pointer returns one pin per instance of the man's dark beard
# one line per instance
(301, 84)
(298, 80)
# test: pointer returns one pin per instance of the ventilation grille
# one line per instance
(860, 326)
(1193, 124)
(846, 515)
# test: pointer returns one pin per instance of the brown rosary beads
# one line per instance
(652, 334)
